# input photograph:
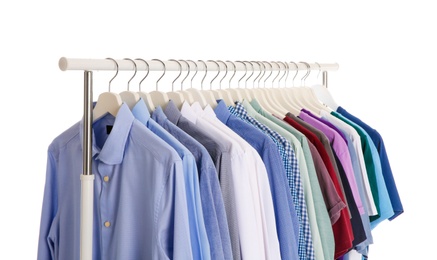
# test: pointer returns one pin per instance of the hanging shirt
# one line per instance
(199, 238)
(140, 208)
(321, 230)
(339, 146)
(247, 206)
(282, 201)
(214, 213)
(306, 249)
(342, 126)
(385, 163)
(258, 179)
(342, 229)
(224, 159)
(360, 165)
(373, 163)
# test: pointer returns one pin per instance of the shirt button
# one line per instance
(107, 224)
(106, 178)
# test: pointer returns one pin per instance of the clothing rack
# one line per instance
(90, 65)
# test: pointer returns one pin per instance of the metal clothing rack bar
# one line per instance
(90, 65)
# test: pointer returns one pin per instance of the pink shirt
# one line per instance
(341, 150)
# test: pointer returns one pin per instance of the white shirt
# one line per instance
(260, 184)
(250, 230)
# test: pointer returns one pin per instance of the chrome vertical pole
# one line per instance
(87, 178)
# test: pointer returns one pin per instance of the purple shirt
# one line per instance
(341, 150)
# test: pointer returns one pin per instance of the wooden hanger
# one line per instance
(222, 93)
(107, 102)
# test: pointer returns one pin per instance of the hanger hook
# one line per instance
(279, 72)
(188, 73)
(244, 73)
(218, 69)
(263, 71)
(148, 70)
(260, 71)
(285, 72)
(271, 71)
(110, 81)
(235, 71)
(288, 73)
(253, 71)
(226, 72)
(163, 64)
(194, 73)
(180, 72)
(206, 72)
(135, 65)
(297, 70)
(307, 74)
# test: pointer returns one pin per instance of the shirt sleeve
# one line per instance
(46, 245)
(172, 218)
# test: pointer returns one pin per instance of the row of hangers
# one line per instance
(275, 100)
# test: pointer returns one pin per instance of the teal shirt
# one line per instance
(374, 170)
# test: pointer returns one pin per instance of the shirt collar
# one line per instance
(188, 112)
(141, 112)
(159, 116)
(172, 112)
(221, 111)
(256, 106)
(113, 150)
(249, 108)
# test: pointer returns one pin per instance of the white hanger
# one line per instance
(130, 97)
(293, 107)
(193, 94)
(159, 98)
(143, 94)
(234, 92)
(307, 97)
(247, 93)
(214, 94)
(222, 93)
(108, 102)
(176, 96)
(208, 94)
(263, 96)
(323, 94)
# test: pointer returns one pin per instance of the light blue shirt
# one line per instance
(213, 206)
(385, 207)
(199, 239)
(140, 210)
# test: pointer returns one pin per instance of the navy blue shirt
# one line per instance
(385, 164)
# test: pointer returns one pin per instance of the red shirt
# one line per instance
(342, 229)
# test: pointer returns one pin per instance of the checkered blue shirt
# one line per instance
(306, 249)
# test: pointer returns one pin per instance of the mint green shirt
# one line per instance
(321, 230)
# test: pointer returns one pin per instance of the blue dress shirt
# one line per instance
(385, 163)
(306, 248)
(282, 201)
(210, 193)
(199, 238)
(140, 210)
(385, 207)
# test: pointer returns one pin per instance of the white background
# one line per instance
(386, 51)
